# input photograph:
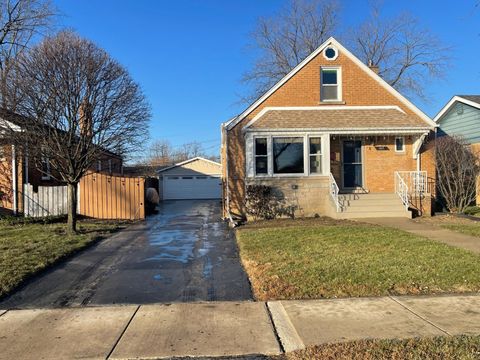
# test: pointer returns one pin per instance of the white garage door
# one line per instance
(192, 187)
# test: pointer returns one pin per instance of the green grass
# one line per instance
(468, 229)
(438, 348)
(350, 260)
(26, 248)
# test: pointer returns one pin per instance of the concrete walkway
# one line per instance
(433, 232)
(227, 328)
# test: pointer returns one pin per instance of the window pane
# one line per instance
(261, 146)
(315, 145)
(316, 164)
(399, 144)
(329, 93)
(329, 76)
(288, 155)
(261, 165)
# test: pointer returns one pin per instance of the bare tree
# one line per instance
(20, 21)
(458, 168)
(407, 55)
(188, 151)
(288, 38)
(160, 153)
(77, 104)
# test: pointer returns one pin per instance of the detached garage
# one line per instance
(196, 178)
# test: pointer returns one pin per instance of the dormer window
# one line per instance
(331, 84)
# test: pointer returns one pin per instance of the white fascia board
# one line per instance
(320, 108)
(352, 57)
(4, 124)
(449, 105)
(189, 161)
(347, 131)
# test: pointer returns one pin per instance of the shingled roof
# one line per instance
(367, 117)
(474, 98)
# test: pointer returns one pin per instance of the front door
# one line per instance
(352, 164)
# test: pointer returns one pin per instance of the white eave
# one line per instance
(189, 161)
(347, 131)
(331, 41)
(449, 105)
(4, 124)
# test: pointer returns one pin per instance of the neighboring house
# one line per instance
(332, 138)
(461, 117)
(196, 178)
(17, 170)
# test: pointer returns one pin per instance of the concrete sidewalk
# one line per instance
(227, 328)
(432, 232)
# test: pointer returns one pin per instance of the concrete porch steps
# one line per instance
(371, 206)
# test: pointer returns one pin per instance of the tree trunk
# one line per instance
(72, 208)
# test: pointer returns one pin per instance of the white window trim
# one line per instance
(322, 154)
(330, 47)
(403, 144)
(339, 84)
(46, 176)
(254, 145)
(250, 154)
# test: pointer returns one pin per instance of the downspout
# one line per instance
(14, 180)
(227, 187)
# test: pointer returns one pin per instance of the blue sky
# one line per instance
(189, 56)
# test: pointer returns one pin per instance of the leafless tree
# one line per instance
(407, 55)
(458, 168)
(20, 21)
(188, 150)
(286, 39)
(77, 104)
(160, 153)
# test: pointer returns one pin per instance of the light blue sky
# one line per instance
(189, 56)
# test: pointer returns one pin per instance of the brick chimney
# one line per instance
(86, 121)
(373, 67)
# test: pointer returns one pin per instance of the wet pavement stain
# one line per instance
(184, 253)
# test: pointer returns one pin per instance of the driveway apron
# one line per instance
(184, 253)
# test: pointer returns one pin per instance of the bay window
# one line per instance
(287, 155)
(315, 155)
(261, 156)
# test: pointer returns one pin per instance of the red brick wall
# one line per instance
(303, 89)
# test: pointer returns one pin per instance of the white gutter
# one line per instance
(227, 188)
(349, 131)
(14, 179)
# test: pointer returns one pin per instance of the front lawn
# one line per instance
(445, 348)
(328, 259)
(26, 248)
(467, 229)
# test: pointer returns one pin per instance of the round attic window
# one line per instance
(330, 53)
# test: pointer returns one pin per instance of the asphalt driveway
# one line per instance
(185, 253)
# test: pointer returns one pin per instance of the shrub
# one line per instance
(261, 202)
(472, 210)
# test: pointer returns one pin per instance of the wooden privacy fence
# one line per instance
(105, 196)
(45, 201)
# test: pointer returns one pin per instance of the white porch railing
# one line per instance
(415, 180)
(334, 192)
(401, 189)
(409, 183)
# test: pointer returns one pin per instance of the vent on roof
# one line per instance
(459, 109)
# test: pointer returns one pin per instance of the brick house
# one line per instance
(461, 117)
(332, 138)
(16, 170)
